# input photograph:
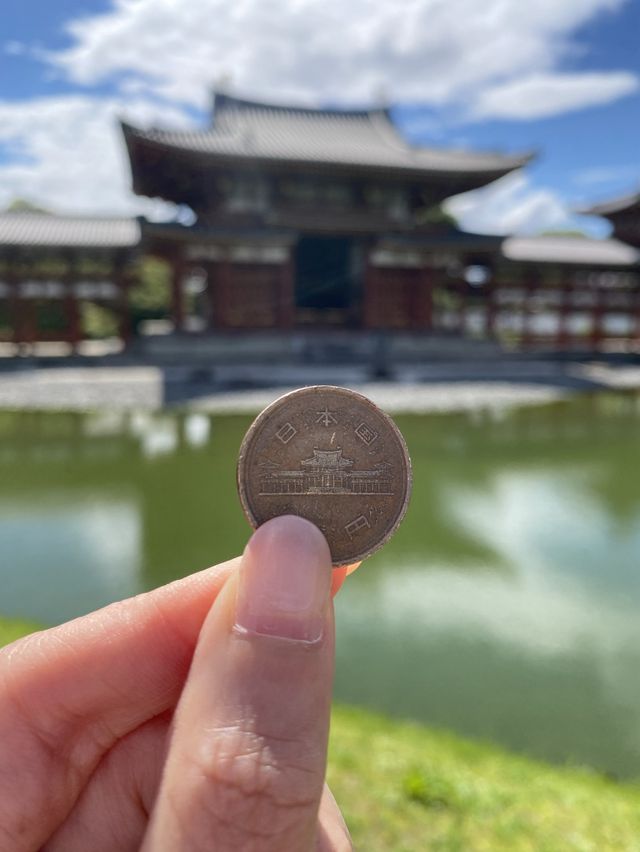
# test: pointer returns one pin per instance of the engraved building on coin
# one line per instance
(326, 472)
(329, 455)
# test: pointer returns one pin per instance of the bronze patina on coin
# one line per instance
(329, 455)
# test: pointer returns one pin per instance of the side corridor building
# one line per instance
(309, 220)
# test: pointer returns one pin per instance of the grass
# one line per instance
(11, 629)
(406, 788)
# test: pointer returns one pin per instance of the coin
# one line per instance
(331, 456)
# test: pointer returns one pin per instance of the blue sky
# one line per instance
(561, 77)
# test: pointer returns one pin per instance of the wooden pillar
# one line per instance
(286, 294)
(223, 295)
(29, 321)
(26, 313)
(490, 301)
(419, 293)
(597, 318)
(490, 310)
(21, 308)
(368, 294)
(564, 310)
(426, 290)
(413, 293)
(219, 283)
(461, 319)
(71, 307)
(531, 282)
(213, 295)
(72, 311)
(177, 299)
(14, 301)
(16, 317)
(121, 279)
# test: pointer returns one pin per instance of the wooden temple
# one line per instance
(322, 219)
(307, 217)
(624, 215)
(52, 266)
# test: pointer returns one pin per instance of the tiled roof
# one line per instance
(246, 129)
(615, 205)
(571, 250)
(44, 229)
(452, 238)
(215, 233)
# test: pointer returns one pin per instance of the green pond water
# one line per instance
(507, 606)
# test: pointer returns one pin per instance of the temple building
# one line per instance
(50, 266)
(624, 215)
(318, 219)
(308, 217)
(325, 472)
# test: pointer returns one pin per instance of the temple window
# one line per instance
(333, 194)
(394, 200)
(247, 194)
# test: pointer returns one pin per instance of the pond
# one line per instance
(506, 607)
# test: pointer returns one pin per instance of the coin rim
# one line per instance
(264, 414)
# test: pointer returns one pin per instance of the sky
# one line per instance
(558, 77)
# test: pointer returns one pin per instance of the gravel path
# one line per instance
(397, 398)
(82, 388)
(144, 388)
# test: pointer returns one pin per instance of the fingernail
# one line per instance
(284, 582)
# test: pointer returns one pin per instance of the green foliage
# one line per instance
(50, 317)
(565, 232)
(12, 629)
(6, 327)
(97, 322)
(151, 295)
(21, 205)
(405, 788)
(437, 217)
(430, 789)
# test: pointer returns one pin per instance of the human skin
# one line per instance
(193, 717)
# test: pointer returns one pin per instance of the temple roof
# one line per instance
(251, 131)
(570, 250)
(327, 458)
(616, 205)
(49, 230)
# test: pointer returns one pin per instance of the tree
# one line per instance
(21, 205)
(564, 232)
(152, 292)
(436, 216)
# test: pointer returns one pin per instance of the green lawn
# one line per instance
(407, 788)
(11, 629)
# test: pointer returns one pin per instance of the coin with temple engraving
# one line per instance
(329, 455)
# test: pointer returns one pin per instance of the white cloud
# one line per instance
(424, 51)
(511, 205)
(552, 537)
(14, 48)
(66, 153)
(164, 57)
(606, 174)
(544, 95)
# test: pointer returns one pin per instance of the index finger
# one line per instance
(70, 693)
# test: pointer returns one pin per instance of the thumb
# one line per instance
(247, 757)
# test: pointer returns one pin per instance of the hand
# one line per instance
(194, 717)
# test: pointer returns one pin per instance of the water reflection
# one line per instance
(505, 607)
(61, 556)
